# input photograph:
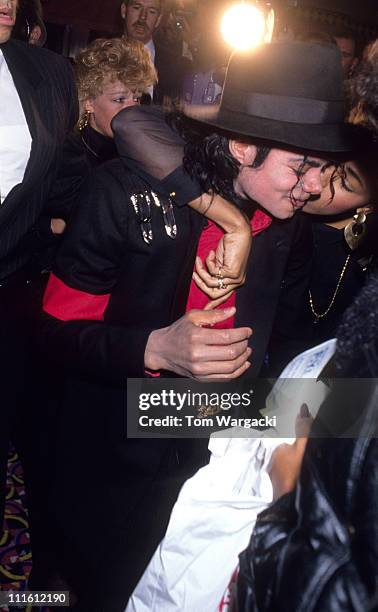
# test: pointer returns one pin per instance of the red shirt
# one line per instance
(208, 241)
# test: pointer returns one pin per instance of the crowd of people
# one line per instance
(215, 241)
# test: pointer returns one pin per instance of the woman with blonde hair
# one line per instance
(111, 74)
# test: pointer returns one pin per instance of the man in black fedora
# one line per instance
(116, 303)
(281, 114)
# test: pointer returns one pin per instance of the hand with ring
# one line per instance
(224, 269)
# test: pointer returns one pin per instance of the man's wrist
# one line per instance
(152, 355)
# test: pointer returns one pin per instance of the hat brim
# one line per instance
(330, 138)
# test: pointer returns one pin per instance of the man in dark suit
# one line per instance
(141, 21)
(38, 108)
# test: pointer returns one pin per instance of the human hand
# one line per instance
(57, 226)
(190, 349)
(287, 459)
(226, 267)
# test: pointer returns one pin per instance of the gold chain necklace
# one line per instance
(321, 315)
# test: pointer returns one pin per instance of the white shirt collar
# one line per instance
(150, 46)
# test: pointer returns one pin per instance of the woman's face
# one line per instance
(351, 191)
(115, 96)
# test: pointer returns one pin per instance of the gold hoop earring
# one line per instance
(354, 232)
(83, 121)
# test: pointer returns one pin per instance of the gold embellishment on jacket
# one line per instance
(141, 202)
(142, 206)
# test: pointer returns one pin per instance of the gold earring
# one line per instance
(83, 121)
(354, 232)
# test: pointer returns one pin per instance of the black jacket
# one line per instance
(145, 286)
(45, 85)
(109, 291)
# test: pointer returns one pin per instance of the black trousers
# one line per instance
(28, 413)
(113, 495)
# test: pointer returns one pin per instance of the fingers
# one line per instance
(201, 274)
(225, 337)
(213, 282)
(214, 292)
(201, 318)
(214, 261)
(216, 353)
(214, 303)
(212, 353)
(303, 422)
(226, 377)
(223, 370)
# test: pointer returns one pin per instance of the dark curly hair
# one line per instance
(363, 91)
(208, 160)
(358, 333)
(207, 157)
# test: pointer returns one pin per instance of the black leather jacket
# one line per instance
(316, 549)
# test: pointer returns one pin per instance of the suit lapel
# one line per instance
(256, 301)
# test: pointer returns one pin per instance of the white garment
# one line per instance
(15, 138)
(211, 523)
(150, 46)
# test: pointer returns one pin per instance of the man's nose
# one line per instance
(143, 15)
(312, 181)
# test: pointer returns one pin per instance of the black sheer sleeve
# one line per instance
(151, 148)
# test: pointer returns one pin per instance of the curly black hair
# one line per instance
(363, 91)
(207, 156)
(358, 332)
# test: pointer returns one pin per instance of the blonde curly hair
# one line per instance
(107, 60)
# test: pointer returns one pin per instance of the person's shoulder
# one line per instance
(116, 169)
(112, 176)
(38, 53)
(48, 63)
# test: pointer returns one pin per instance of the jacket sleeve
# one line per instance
(73, 330)
(149, 146)
(302, 556)
(64, 191)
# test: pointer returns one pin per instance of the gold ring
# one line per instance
(221, 284)
(219, 274)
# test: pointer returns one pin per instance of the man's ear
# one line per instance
(244, 153)
(123, 10)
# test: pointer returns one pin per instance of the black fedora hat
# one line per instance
(288, 93)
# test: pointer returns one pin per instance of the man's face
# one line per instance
(8, 9)
(347, 48)
(142, 17)
(283, 183)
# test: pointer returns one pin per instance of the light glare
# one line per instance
(243, 26)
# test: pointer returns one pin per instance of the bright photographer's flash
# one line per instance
(244, 26)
